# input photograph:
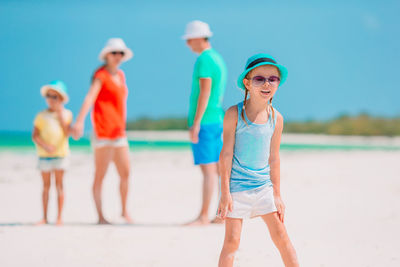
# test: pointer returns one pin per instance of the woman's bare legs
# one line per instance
(59, 174)
(46, 177)
(121, 160)
(102, 157)
(281, 239)
(233, 229)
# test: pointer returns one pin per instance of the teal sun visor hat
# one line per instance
(58, 86)
(259, 60)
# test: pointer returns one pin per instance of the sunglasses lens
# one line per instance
(118, 53)
(274, 81)
(258, 80)
(52, 96)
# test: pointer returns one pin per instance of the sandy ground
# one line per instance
(342, 210)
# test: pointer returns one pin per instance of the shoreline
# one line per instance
(179, 140)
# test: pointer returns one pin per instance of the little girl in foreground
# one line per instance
(50, 134)
(249, 160)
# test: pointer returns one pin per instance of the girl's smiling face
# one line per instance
(262, 82)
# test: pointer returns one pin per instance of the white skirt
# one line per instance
(252, 203)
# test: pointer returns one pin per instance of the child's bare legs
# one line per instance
(45, 195)
(121, 160)
(210, 181)
(60, 194)
(280, 237)
(233, 229)
(103, 156)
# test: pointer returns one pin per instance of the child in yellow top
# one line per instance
(50, 134)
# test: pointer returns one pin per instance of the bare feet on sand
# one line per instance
(103, 221)
(127, 218)
(217, 220)
(59, 222)
(42, 222)
(200, 221)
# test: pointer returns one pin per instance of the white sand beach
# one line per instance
(342, 210)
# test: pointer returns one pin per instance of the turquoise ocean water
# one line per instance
(22, 141)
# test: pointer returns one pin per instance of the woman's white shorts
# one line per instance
(117, 142)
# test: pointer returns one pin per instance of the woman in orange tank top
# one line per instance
(107, 95)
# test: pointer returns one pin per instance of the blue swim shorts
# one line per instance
(210, 144)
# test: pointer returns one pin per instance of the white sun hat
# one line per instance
(197, 29)
(116, 45)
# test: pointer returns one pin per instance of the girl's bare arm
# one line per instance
(225, 159)
(64, 125)
(274, 163)
(40, 142)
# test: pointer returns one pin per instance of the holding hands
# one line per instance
(77, 130)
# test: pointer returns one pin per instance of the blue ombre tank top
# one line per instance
(250, 166)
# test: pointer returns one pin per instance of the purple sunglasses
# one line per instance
(261, 80)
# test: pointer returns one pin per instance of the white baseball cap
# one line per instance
(116, 45)
(197, 29)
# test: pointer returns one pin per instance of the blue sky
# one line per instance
(342, 56)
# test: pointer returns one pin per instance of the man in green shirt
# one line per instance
(205, 110)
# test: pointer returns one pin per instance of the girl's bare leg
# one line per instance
(45, 195)
(281, 239)
(233, 229)
(60, 194)
(103, 157)
(121, 160)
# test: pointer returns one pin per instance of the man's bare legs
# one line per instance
(218, 220)
(210, 182)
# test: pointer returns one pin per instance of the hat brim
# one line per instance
(282, 71)
(194, 36)
(128, 54)
(45, 88)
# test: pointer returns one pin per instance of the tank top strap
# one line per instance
(239, 110)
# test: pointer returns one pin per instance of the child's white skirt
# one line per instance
(51, 164)
(252, 203)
